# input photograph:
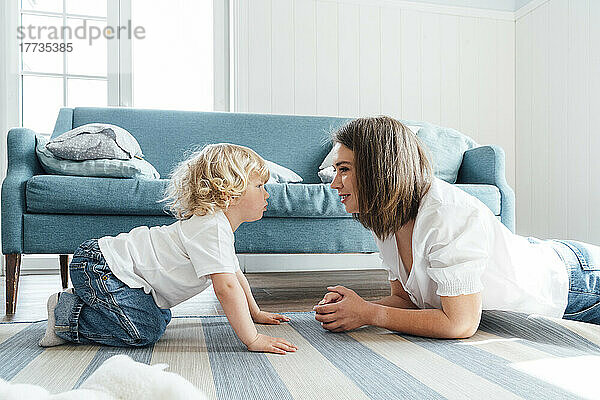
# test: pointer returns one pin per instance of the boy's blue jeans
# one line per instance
(104, 310)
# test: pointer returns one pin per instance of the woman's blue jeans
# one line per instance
(104, 310)
(582, 261)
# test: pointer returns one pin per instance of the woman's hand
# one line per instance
(268, 344)
(349, 311)
(331, 297)
(263, 317)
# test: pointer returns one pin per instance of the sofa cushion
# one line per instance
(55, 194)
(298, 142)
(167, 136)
(269, 235)
(445, 147)
(304, 200)
(445, 150)
(61, 194)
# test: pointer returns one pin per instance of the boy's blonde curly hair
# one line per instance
(211, 178)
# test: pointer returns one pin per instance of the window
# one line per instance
(62, 61)
(173, 65)
(167, 63)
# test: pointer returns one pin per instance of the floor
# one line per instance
(275, 292)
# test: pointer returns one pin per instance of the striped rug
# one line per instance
(511, 356)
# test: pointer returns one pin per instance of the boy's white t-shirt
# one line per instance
(172, 262)
(460, 247)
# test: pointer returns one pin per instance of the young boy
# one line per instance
(124, 286)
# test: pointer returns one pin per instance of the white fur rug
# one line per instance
(120, 378)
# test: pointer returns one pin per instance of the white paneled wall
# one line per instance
(557, 120)
(447, 65)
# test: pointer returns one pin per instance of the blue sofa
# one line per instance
(53, 214)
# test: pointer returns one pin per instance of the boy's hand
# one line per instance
(270, 344)
(263, 317)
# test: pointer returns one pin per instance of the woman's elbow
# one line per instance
(468, 332)
(464, 330)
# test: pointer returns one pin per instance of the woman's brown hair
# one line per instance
(392, 172)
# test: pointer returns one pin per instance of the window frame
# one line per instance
(122, 90)
(10, 114)
(119, 56)
(65, 76)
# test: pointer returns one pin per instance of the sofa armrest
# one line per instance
(486, 165)
(22, 165)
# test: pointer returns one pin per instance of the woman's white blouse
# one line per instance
(460, 247)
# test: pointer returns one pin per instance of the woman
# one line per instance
(448, 257)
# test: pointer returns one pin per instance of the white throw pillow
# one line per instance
(327, 174)
(280, 174)
(327, 161)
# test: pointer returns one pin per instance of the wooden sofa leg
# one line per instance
(64, 270)
(13, 268)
